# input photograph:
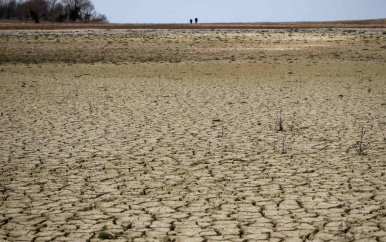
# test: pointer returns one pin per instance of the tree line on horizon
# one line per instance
(50, 11)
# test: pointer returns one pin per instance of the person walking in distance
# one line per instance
(191, 21)
(196, 20)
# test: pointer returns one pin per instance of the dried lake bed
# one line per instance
(193, 135)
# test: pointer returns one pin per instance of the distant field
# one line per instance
(379, 23)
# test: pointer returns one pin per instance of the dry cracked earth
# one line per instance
(193, 135)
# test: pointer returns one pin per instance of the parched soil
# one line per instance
(193, 135)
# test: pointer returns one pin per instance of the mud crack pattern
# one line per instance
(191, 152)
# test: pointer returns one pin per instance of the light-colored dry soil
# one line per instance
(172, 135)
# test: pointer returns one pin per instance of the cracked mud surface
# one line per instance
(128, 142)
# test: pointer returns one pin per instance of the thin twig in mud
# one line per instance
(90, 108)
(293, 124)
(74, 106)
(279, 122)
(283, 146)
(159, 88)
(361, 146)
(222, 128)
(217, 120)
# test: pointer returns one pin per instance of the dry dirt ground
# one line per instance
(175, 135)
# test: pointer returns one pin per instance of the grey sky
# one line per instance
(214, 11)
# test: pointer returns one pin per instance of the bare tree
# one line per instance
(51, 8)
(2, 8)
(35, 9)
(8, 9)
(101, 18)
(75, 8)
(35, 16)
(59, 13)
(87, 13)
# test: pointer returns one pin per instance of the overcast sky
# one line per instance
(214, 11)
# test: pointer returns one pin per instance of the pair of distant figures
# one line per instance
(195, 20)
